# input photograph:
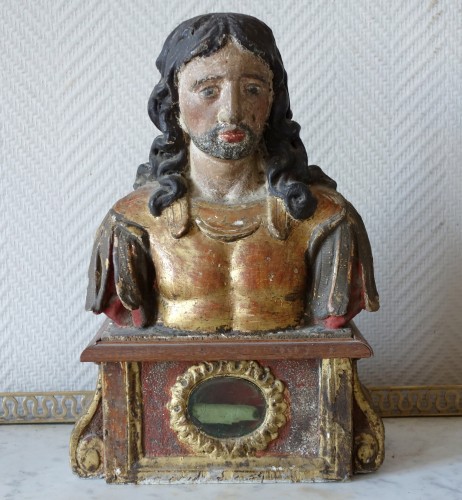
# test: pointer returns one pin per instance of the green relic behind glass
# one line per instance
(226, 407)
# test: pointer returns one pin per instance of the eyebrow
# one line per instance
(210, 78)
(256, 76)
(214, 78)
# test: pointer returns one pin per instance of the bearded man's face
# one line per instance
(225, 100)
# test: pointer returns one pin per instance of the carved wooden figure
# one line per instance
(230, 277)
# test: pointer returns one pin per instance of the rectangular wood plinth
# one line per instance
(308, 439)
(305, 385)
(103, 348)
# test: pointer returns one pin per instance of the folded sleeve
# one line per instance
(121, 273)
(342, 274)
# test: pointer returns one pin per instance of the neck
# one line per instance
(226, 181)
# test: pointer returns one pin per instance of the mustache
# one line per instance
(227, 127)
(211, 143)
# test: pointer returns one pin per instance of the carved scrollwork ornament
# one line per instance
(90, 455)
(366, 449)
(86, 446)
(369, 432)
(201, 443)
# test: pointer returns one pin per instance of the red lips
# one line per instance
(235, 135)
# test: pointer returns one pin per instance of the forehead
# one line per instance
(230, 61)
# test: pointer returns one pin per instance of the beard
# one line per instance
(211, 144)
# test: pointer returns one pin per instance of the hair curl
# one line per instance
(287, 169)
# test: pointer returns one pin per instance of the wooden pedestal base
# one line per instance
(317, 423)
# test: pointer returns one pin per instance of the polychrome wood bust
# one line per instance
(230, 276)
(229, 228)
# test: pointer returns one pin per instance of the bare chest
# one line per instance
(197, 265)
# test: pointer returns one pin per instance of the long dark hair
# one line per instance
(287, 169)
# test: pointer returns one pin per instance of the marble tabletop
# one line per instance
(423, 461)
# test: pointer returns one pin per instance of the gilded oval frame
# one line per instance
(201, 443)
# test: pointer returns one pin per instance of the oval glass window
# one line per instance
(227, 407)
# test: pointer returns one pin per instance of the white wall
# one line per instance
(376, 86)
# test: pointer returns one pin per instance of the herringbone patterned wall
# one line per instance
(377, 88)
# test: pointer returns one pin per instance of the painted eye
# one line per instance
(253, 89)
(208, 92)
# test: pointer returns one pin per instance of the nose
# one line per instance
(230, 104)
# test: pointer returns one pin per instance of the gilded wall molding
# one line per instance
(389, 401)
(417, 401)
(43, 407)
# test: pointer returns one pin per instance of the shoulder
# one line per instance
(332, 217)
(133, 210)
(130, 213)
(332, 204)
(330, 211)
(329, 200)
(135, 206)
